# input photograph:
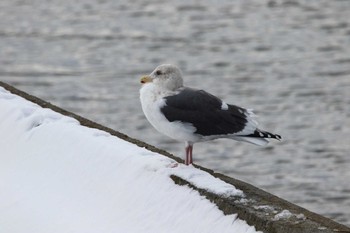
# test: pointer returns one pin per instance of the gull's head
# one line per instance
(165, 76)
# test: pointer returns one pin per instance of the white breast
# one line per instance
(152, 101)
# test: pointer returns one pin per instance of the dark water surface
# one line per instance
(287, 59)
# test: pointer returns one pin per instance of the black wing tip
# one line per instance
(264, 134)
(278, 137)
(271, 135)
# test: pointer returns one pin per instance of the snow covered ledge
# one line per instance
(60, 172)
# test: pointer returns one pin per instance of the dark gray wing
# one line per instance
(204, 111)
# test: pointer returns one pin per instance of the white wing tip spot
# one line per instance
(224, 106)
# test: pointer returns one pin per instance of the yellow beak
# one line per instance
(146, 79)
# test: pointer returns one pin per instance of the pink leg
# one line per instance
(187, 154)
(189, 159)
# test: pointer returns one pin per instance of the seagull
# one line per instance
(191, 115)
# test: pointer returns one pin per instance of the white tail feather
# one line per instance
(255, 141)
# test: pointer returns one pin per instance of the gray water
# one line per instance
(287, 59)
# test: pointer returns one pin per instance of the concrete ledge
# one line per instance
(265, 211)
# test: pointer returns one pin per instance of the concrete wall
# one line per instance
(265, 211)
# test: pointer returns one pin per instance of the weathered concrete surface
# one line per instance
(258, 207)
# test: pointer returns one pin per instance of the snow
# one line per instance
(59, 176)
(265, 208)
(286, 214)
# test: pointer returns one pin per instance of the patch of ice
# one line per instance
(300, 216)
(284, 214)
(243, 201)
(264, 207)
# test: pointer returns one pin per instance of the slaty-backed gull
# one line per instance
(192, 115)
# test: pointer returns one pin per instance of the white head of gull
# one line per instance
(192, 115)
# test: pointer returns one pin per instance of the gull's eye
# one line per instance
(158, 72)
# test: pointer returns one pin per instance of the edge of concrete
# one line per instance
(257, 208)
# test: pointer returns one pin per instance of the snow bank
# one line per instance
(59, 176)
